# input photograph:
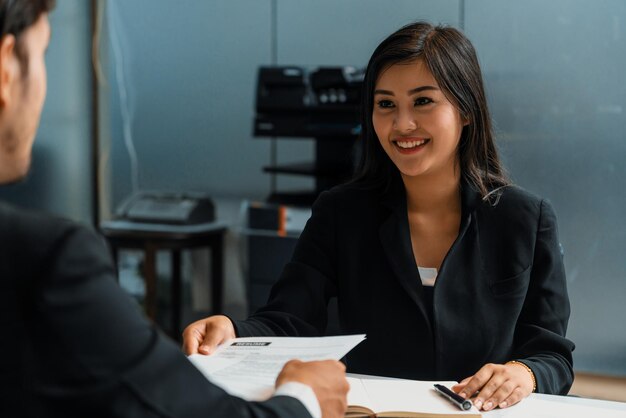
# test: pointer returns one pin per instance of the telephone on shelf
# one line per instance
(168, 208)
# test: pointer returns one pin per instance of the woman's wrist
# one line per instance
(528, 369)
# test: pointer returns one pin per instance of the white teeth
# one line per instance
(410, 144)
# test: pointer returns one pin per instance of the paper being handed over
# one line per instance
(248, 367)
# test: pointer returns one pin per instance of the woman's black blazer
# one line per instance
(500, 293)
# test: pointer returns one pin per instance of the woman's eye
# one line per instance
(421, 101)
(385, 104)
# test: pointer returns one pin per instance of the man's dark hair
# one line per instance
(17, 15)
(451, 59)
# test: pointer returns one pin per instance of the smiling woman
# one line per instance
(446, 62)
(453, 273)
(419, 130)
(416, 124)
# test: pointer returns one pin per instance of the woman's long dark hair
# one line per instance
(451, 59)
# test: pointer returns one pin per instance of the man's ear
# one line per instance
(9, 67)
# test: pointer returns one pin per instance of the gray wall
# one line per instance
(553, 72)
(60, 177)
(190, 74)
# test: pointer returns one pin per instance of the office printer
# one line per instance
(167, 208)
(296, 101)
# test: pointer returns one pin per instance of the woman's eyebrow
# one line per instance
(386, 92)
(422, 88)
(410, 92)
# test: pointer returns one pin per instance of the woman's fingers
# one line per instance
(515, 396)
(497, 385)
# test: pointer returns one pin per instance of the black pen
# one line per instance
(464, 404)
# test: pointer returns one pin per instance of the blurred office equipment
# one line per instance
(150, 238)
(272, 232)
(168, 208)
(295, 102)
(321, 104)
(270, 244)
(174, 222)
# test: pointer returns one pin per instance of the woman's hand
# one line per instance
(499, 385)
(203, 336)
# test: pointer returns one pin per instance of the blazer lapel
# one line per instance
(396, 242)
(396, 239)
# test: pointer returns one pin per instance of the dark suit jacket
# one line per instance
(500, 293)
(75, 345)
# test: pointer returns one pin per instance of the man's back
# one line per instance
(74, 344)
(22, 254)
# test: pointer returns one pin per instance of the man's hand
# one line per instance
(203, 336)
(499, 385)
(327, 379)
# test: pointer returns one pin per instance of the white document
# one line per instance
(248, 367)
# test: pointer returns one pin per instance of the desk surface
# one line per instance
(539, 405)
(545, 405)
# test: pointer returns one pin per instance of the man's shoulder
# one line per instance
(28, 234)
(18, 222)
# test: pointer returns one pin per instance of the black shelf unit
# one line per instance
(294, 103)
(320, 104)
(333, 164)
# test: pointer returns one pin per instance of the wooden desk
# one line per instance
(154, 237)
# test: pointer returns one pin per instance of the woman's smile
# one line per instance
(410, 145)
